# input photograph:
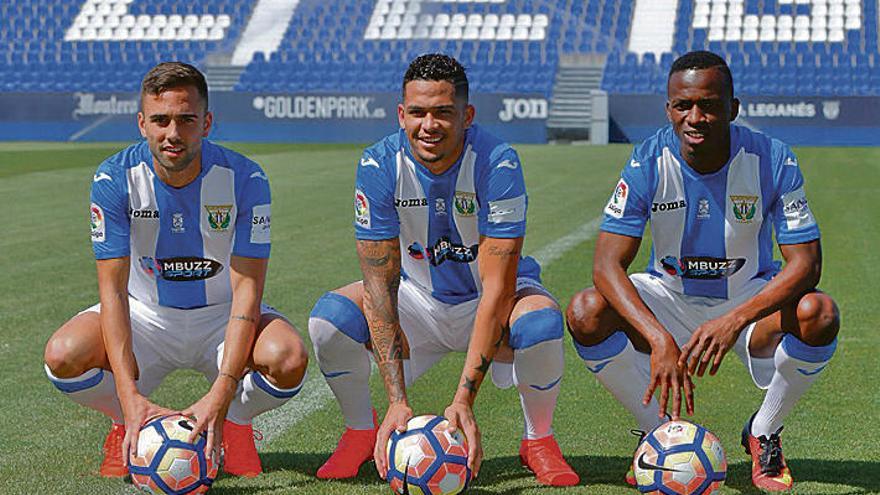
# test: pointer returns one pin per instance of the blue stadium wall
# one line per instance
(265, 117)
(797, 120)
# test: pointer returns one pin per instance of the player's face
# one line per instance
(434, 122)
(174, 123)
(701, 108)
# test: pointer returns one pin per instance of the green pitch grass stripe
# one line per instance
(316, 394)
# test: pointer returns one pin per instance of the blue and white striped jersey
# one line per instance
(439, 218)
(180, 240)
(712, 233)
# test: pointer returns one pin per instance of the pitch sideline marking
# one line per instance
(316, 393)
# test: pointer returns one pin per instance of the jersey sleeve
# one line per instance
(627, 210)
(375, 216)
(501, 191)
(253, 219)
(790, 212)
(108, 214)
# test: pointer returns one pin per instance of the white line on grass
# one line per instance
(316, 394)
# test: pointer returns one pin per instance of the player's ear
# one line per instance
(469, 113)
(401, 113)
(142, 120)
(668, 110)
(209, 119)
(734, 109)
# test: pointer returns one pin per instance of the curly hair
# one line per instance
(438, 67)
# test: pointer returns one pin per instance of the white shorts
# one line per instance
(166, 339)
(433, 329)
(681, 315)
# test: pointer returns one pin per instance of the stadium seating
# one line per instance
(812, 47)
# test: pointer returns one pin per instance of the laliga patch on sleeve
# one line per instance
(797, 211)
(617, 204)
(361, 209)
(261, 224)
(511, 210)
(96, 220)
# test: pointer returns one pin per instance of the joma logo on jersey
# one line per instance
(183, 269)
(219, 217)
(701, 267)
(668, 206)
(744, 208)
(407, 203)
(143, 213)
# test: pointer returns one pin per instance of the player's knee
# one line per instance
(285, 362)
(535, 327)
(61, 356)
(583, 313)
(342, 314)
(818, 318)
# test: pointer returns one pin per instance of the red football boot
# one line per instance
(769, 470)
(240, 456)
(630, 477)
(355, 447)
(113, 465)
(544, 458)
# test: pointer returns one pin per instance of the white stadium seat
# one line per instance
(835, 23)
(442, 20)
(541, 20)
(819, 35)
(114, 22)
(175, 20)
(702, 10)
(784, 34)
(394, 20)
(768, 21)
(372, 33)
(422, 32)
(438, 32)
(487, 33)
(507, 20)
(491, 20)
(853, 23)
(717, 22)
(801, 21)
(751, 21)
(223, 21)
(537, 33)
(458, 20)
(191, 21)
(801, 34)
(216, 33)
(750, 34)
(716, 34)
(160, 21)
(454, 33)
(128, 21)
(504, 33)
(105, 33)
(471, 33)
(475, 20)
(389, 32)
(426, 20)
(785, 22)
(836, 35)
(523, 20)
(701, 22)
(200, 33)
(520, 33)
(732, 34)
(207, 21)
(819, 23)
(767, 34)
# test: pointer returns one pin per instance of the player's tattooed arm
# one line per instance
(380, 264)
(498, 261)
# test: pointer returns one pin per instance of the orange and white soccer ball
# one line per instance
(680, 458)
(426, 459)
(165, 462)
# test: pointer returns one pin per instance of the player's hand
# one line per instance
(668, 375)
(395, 420)
(461, 416)
(209, 413)
(136, 410)
(709, 344)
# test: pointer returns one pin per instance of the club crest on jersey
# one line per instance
(219, 217)
(177, 223)
(361, 209)
(465, 203)
(744, 208)
(440, 206)
(96, 222)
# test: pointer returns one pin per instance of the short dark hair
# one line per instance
(438, 67)
(168, 75)
(699, 60)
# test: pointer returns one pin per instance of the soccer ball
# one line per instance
(680, 458)
(166, 463)
(426, 459)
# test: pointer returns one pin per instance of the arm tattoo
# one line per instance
(380, 264)
(484, 365)
(248, 319)
(470, 385)
(498, 251)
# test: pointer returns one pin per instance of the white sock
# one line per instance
(339, 331)
(502, 374)
(625, 373)
(257, 396)
(537, 373)
(797, 366)
(94, 389)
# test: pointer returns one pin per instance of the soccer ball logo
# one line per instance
(680, 458)
(166, 463)
(426, 459)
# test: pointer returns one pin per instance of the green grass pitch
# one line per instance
(50, 445)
